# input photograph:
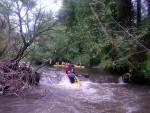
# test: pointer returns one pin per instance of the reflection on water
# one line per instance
(101, 93)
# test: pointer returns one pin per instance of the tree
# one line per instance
(26, 24)
(148, 8)
(29, 21)
(125, 12)
(138, 12)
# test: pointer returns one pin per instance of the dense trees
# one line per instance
(108, 33)
(109, 30)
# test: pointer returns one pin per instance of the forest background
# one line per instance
(110, 34)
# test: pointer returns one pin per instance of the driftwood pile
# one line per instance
(17, 78)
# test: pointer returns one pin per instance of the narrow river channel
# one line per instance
(99, 93)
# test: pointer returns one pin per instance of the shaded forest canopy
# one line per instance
(110, 34)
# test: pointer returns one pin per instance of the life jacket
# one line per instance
(68, 69)
(71, 75)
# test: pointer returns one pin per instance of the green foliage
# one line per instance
(1, 44)
(146, 64)
(79, 38)
(116, 65)
(90, 43)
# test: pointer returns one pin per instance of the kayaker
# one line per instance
(71, 76)
(68, 68)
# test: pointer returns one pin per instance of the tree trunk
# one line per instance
(100, 24)
(19, 55)
(125, 13)
(148, 8)
(149, 14)
(138, 12)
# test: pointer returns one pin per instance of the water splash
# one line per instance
(120, 80)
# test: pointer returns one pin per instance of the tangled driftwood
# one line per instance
(17, 77)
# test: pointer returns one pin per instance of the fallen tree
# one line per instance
(17, 78)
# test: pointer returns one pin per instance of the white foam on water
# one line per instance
(65, 83)
(86, 84)
(88, 90)
(51, 77)
(121, 81)
(132, 109)
(45, 81)
(97, 95)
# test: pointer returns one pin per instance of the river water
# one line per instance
(100, 92)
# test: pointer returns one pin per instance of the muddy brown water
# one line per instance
(101, 93)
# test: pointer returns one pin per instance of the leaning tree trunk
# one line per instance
(102, 28)
(19, 55)
(99, 23)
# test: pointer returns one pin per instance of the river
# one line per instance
(100, 92)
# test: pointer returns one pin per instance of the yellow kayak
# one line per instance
(76, 66)
(57, 65)
(77, 83)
